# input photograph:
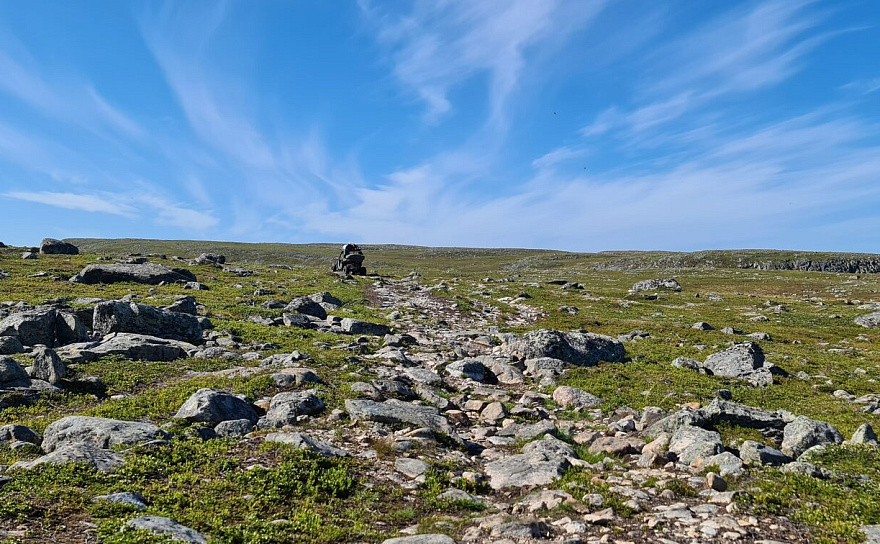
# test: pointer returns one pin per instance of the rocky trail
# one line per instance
(438, 404)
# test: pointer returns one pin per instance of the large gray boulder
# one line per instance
(677, 420)
(723, 411)
(10, 345)
(47, 365)
(51, 246)
(116, 316)
(669, 284)
(69, 329)
(286, 407)
(575, 399)
(576, 348)
(694, 445)
(870, 321)
(102, 459)
(168, 528)
(736, 361)
(137, 347)
(98, 432)
(803, 433)
(11, 371)
(757, 454)
(212, 406)
(356, 326)
(540, 463)
(397, 412)
(18, 433)
(307, 306)
(32, 327)
(148, 273)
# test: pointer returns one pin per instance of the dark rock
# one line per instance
(151, 274)
(301, 321)
(307, 306)
(18, 433)
(356, 326)
(51, 246)
(10, 345)
(234, 428)
(11, 371)
(69, 328)
(736, 361)
(47, 365)
(183, 305)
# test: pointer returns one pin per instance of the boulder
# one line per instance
(301, 321)
(307, 306)
(574, 398)
(693, 444)
(137, 347)
(11, 371)
(326, 298)
(286, 407)
(183, 305)
(722, 411)
(757, 454)
(528, 431)
(32, 327)
(676, 420)
(210, 259)
(471, 369)
(51, 246)
(576, 348)
(69, 329)
(212, 406)
(864, 435)
(540, 463)
(18, 433)
(125, 497)
(420, 539)
(356, 326)
(546, 367)
(147, 273)
(501, 368)
(47, 365)
(669, 284)
(10, 345)
(116, 316)
(870, 321)
(98, 432)
(736, 361)
(101, 459)
(306, 442)
(803, 433)
(401, 413)
(168, 528)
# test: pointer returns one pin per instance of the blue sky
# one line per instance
(579, 125)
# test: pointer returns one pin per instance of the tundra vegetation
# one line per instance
(482, 394)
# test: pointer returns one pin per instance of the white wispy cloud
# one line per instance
(557, 156)
(439, 45)
(863, 86)
(72, 201)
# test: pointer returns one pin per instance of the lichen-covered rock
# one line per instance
(307, 306)
(212, 406)
(306, 442)
(101, 459)
(356, 326)
(574, 398)
(397, 412)
(669, 284)
(576, 348)
(736, 361)
(137, 347)
(167, 527)
(11, 371)
(803, 433)
(757, 454)
(116, 316)
(693, 444)
(286, 407)
(32, 326)
(147, 273)
(98, 432)
(10, 345)
(540, 463)
(870, 321)
(47, 365)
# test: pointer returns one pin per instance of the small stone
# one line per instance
(715, 482)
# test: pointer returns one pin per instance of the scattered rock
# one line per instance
(396, 412)
(804, 433)
(98, 432)
(540, 463)
(870, 321)
(213, 406)
(574, 398)
(356, 326)
(116, 316)
(306, 442)
(757, 454)
(577, 348)
(285, 408)
(47, 365)
(148, 273)
(137, 347)
(102, 459)
(51, 246)
(669, 284)
(166, 527)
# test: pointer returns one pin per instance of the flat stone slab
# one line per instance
(98, 432)
(169, 527)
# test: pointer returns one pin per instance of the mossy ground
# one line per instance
(208, 486)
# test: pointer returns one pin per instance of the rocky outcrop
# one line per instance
(871, 321)
(575, 348)
(130, 317)
(148, 273)
(669, 284)
(803, 433)
(137, 347)
(212, 406)
(98, 432)
(51, 246)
